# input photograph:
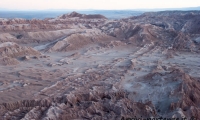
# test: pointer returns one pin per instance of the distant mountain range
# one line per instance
(111, 14)
(164, 9)
(52, 13)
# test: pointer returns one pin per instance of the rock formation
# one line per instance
(79, 66)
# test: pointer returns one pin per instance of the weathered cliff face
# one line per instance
(78, 66)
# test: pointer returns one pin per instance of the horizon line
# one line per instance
(140, 9)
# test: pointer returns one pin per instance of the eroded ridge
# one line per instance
(78, 66)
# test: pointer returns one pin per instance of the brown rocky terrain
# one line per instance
(78, 66)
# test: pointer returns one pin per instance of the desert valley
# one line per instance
(79, 66)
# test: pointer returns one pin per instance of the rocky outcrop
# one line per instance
(188, 92)
(185, 21)
(10, 52)
(8, 61)
(180, 95)
(90, 106)
(11, 49)
(175, 29)
(81, 40)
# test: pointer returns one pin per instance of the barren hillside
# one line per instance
(78, 66)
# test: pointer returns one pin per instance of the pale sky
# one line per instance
(96, 4)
